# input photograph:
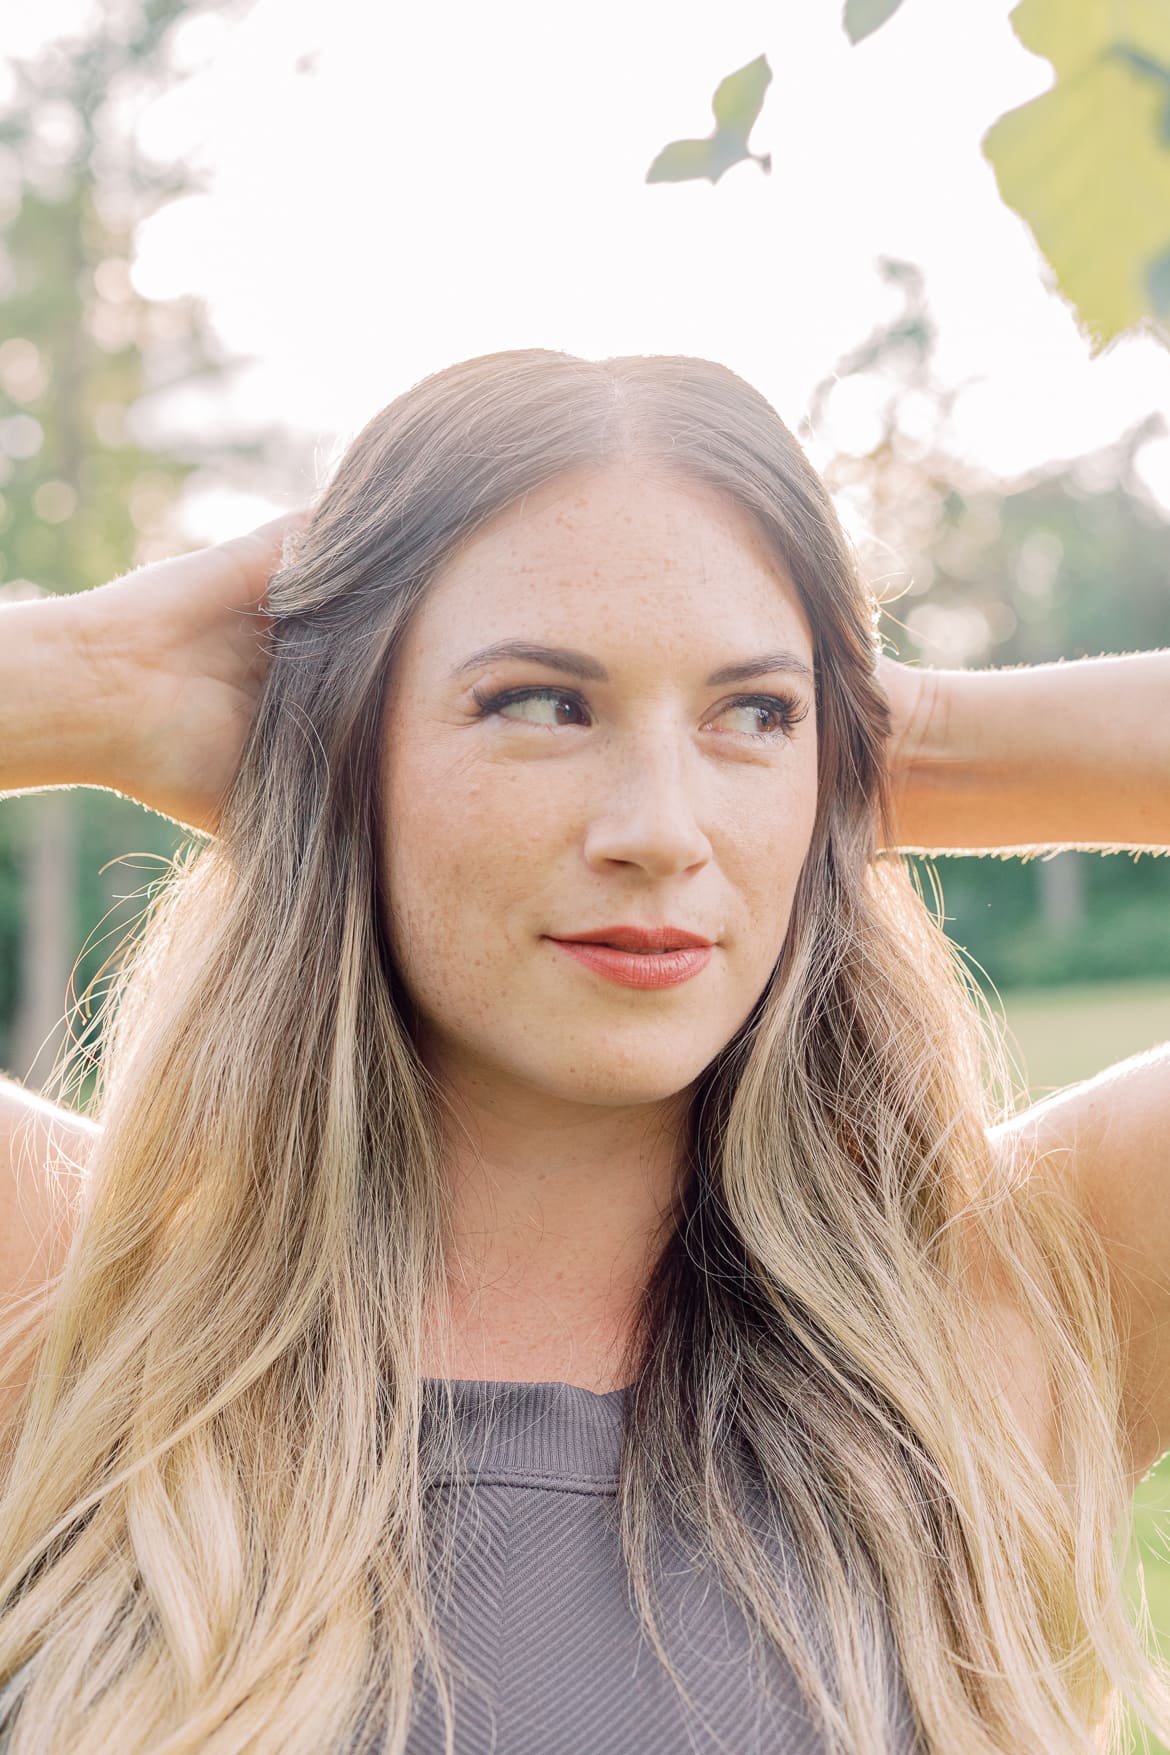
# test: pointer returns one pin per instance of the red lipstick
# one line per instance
(636, 938)
(637, 956)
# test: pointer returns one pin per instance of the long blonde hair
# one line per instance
(214, 1527)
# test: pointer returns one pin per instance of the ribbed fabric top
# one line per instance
(540, 1615)
(526, 1430)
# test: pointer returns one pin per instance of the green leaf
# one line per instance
(739, 98)
(684, 160)
(862, 17)
(736, 107)
(1087, 163)
(1158, 284)
(1152, 70)
(1074, 38)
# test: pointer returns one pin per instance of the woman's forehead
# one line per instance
(666, 563)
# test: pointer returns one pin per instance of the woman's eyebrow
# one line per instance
(587, 669)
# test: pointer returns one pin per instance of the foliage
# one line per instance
(862, 17)
(737, 103)
(1068, 562)
(86, 493)
(993, 913)
(122, 849)
(1086, 164)
(88, 487)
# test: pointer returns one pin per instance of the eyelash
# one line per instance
(787, 707)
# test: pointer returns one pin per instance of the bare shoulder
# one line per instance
(42, 1149)
(1105, 1142)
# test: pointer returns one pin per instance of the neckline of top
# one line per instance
(502, 1384)
(536, 1433)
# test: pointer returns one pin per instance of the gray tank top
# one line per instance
(538, 1610)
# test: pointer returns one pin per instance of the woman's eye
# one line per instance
(768, 714)
(767, 717)
(524, 698)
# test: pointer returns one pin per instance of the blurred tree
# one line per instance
(1068, 562)
(87, 490)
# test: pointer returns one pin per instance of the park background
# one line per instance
(229, 233)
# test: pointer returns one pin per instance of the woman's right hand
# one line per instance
(177, 654)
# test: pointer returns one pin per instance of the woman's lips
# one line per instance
(639, 968)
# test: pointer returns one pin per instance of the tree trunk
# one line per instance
(1062, 890)
(48, 861)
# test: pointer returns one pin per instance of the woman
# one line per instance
(430, 1269)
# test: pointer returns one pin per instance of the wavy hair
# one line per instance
(214, 1523)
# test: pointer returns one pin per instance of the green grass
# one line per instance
(1068, 1033)
(1064, 1034)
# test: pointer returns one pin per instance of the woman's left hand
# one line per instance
(176, 654)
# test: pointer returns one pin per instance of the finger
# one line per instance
(272, 533)
(261, 551)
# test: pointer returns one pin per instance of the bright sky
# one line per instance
(394, 187)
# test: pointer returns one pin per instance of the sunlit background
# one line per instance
(221, 255)
(390, 188)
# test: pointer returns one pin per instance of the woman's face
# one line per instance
(651, 795)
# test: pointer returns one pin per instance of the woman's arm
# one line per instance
(146, 686)
(1072, 754)
(1065, 755)
(54, 727)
